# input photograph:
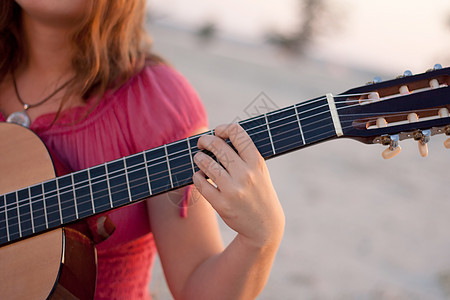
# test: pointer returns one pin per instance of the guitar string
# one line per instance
(262, 125)
(88, 195)
(28, 200)
(173, 154)
(89, 211)
(134, 166)
(279, 111)
(296, 106)
(79, 202)
(180, 141)
(137, 167)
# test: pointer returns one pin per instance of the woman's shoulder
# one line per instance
(159, 101)
(158, 85)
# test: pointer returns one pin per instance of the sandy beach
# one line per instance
(357, 226)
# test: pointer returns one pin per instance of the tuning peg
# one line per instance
(407, 73)
(423, 148)
(447, 143)
(393, 149)
(422, 138)
(444, 113)
(435, 67)
(390, 153)
(376, 79)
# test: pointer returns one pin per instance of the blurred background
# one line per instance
(357, 226)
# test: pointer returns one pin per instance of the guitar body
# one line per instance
(58, 264)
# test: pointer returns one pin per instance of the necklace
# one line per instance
(21, 117)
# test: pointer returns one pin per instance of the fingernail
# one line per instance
(198, 156)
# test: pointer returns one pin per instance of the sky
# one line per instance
(385, 35)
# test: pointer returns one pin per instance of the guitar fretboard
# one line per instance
(127, 180)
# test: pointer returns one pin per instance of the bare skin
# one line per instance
(195, 262)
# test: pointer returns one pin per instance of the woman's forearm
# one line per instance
(239, 272)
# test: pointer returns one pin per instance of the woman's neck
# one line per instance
(48, 50)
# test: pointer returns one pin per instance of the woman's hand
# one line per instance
(242, 192)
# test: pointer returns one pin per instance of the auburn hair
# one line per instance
(109, 46)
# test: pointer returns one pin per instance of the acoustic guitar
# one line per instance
(41, 256)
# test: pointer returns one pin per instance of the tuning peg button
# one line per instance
(435, 67)
(423, 149)
(393, 149)
(390, 153)
(424, 138)
(377, 79)
(447, 144)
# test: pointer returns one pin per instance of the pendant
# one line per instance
(20, 118)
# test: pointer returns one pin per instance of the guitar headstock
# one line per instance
(408, 107)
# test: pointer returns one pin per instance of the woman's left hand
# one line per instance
(242, 192)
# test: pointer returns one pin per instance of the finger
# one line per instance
(206, 189)
(211, 168)
(221, 150)
(240, 140)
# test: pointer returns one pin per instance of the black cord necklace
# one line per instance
(21, 117)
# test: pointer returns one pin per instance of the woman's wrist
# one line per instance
(267, 241)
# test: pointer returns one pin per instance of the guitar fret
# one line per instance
(18, 214)
(90, 191)
(100, 189)
(12, 215)
(118, 183)
(137, 176)
(299, 124)
(3, 224)
(127, 179)
(52, 204)
(23, 212)
(334, 115)
(31, 210)
(59, 201)
(74, 196)
(190, 155)
(37, 208)
(270, 135)
(260, 137)
(6, 219)
(157, 170)
(168, 166)
(109, 187)
(316, 120)
(147, 174)
(45, 206)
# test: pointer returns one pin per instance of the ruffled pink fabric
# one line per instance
(155, 107)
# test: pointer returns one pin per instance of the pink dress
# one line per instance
(155, 107)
